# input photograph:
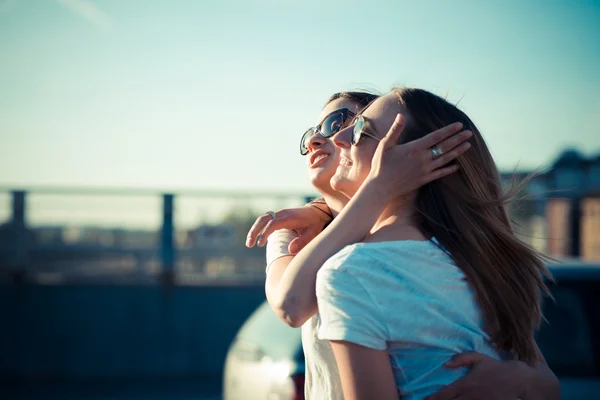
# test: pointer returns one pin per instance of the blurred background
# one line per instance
(139, 140)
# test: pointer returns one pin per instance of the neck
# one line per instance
(336, 202)
(396, 222)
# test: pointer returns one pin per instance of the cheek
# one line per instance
(335, 155)
(362, 157)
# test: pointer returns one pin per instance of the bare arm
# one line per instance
(399, 170)
(274, 274)
(542, 383)
(279, 257)
(293, 299)
(290, 283)
(308, 221)
(365, 373)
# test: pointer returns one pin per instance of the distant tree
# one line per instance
(242, 219)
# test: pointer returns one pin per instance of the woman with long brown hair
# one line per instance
(438, 272)
(322, 159)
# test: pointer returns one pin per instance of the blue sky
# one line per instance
(216, 94)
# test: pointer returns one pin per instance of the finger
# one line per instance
(256, 229)
(271, 226)
(465, 360)
(391, 137)
(450, 156)
(440, 173)
(453, 141)
(435, 137)
(298, 243)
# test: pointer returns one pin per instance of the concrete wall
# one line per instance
(119, 332)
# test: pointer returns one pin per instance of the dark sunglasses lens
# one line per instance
(358, 126)
(332, 124)
(304, 141)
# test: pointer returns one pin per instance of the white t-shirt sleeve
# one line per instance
(347, 310)
(277, 245)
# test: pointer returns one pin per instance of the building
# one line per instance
(561, 216)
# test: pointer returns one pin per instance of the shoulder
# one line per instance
(347, 303)
(347, 259)
(381, 265)
(396, 254)
(344, 270)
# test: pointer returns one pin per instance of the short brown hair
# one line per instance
(362, 98)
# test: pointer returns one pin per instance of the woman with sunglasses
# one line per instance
(392, 326)
(322, 161)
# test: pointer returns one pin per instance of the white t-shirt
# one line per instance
(405, 297)
(321, 379)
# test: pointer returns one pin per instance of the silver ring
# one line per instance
(272, 214)
(436, 152)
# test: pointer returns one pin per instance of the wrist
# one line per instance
(323, 211)
(367, 204)
(375, 190)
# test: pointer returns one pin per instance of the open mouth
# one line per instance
(318, 158)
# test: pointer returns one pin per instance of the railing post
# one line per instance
(167, 243)
(18, 251)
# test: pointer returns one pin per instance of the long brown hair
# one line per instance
(466, 214)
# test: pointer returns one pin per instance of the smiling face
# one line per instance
(355, 160)
(323, 157)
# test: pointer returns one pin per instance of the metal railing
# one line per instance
(59, 235)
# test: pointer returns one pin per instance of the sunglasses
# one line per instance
(330, 125)
(361, 125)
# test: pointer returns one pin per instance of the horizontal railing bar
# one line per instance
(123, 191)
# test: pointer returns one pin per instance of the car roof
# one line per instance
(574, 269)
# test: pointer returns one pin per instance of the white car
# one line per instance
(265, 360)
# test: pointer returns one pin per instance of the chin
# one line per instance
(343, 185)
(321, 181)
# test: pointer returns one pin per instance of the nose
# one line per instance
(343, 138)
(315, 141)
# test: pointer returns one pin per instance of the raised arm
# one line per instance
(300, 224)
(401, 167)
(295, 301)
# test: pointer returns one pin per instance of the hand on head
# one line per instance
(401, 169)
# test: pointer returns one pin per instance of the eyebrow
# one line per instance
(366, 106)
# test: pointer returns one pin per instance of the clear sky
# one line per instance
(216, 94)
